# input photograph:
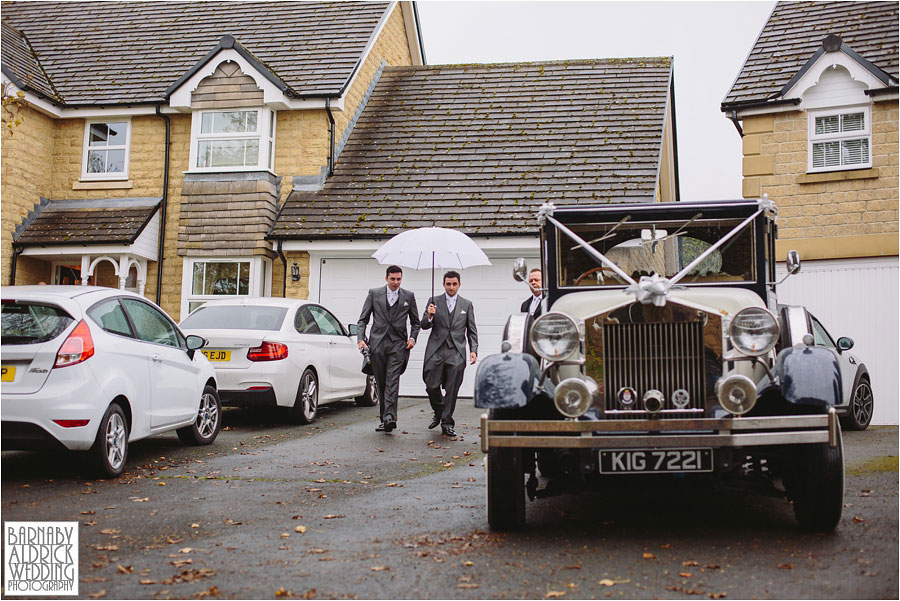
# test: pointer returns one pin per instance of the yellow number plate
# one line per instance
(8, 373)
(213, 355)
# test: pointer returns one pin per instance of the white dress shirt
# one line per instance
(535, 302)
(392, 296)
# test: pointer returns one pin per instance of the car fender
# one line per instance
(507, 380)
(809, 376)
(116, 384)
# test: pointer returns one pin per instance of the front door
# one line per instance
(174, 385)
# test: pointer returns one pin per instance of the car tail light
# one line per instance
(78, 347)
(71, 423)
(268, 351)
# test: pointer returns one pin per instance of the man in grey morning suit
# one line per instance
(388, 343)
(451, 319)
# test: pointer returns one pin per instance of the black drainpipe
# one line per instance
(17, 250)
(737, 124)
(284, 262)
(331, 134)
(162, 210)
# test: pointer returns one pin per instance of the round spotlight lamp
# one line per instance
(737, 394)
(574, 396)
(554, 336)
(754, 331)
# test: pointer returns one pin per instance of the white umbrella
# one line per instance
(426, 247)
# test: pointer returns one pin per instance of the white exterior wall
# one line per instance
(856, 298)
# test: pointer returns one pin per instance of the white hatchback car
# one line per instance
(90, 368)
(281, 352)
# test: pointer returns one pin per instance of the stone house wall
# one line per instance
(828, 215)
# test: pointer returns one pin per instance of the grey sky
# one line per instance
(709, 41)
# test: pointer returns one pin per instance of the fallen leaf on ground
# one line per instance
(185, 550)
(140, 499)
(110, 531)
(684, 574)
(182, 562)
(689, 563)
(380, 568)
(147, 581)
(317, 551)
(648, 556)
(91, 512)
(310, 594)
(283, 592)
(232, 522)
(195, 525)
(300, 529)
(468, 563)
(606, 582)
(717, 595)
(554, 594)
(467, 585)
(333, 516)
(857, 520)
(107, 547)
(125, 569)
(98, 594)
(785, 566)
(665, 546)
(212, 591)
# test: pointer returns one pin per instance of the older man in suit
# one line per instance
(388, 343)
(532, 306)
(451, 319)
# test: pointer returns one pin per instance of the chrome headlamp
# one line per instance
(736, 393)
(754, 331)
(574, 396)
(554, 336)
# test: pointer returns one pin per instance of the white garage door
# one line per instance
(493, 291)
(856, 298)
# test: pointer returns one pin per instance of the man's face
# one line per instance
(451, 286)
(534, 281)
(393, 280)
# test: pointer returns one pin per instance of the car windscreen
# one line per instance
(235, 317)
(26, 322)
(664, 248)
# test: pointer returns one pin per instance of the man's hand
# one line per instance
(431, 310)
(410, 343)
(362, 344)
(473, 358)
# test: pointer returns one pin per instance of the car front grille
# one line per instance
(667, 357)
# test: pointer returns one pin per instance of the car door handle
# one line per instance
(852, 361)
(156, 359)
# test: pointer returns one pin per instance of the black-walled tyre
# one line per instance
(369, 398)
(505, 489)
(862, 404)
(110, 449)
(206, 427)
(817, 486)
(306, 404)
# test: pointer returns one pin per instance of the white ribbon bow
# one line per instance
(651, 289)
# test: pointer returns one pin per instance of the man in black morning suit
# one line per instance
(388, 343)
(451, 319)
(532, 305)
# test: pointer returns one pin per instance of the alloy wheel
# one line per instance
(208, 416)
(862, 403)
(115, 440)
(310, 395)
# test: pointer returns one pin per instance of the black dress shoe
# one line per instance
(449, 431)
(435, 422)
(389, 426)
(379, 428)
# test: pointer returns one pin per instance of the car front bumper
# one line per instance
(661, 434)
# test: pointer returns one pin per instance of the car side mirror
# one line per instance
(793, 262)
(520, 270)
(351, 328)
(845, 343)
(194, 343)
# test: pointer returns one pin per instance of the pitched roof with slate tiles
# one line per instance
(20, 64)
(480, 147)
(87, 222)
(131, 52)
(795, 31)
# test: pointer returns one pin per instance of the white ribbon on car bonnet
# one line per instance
(650, 289)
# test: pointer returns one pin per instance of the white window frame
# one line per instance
(123, 175)
(813, 138)
(260, 280)
(265, 123)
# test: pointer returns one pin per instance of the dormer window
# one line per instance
(840, 139)
(105, 150)
(233, 140)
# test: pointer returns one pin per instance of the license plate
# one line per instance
(8, 373)
(655, 461)
(213, 355)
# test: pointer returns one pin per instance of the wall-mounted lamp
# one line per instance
(295, 272)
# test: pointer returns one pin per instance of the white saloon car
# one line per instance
(90, 368)
(281, 353)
